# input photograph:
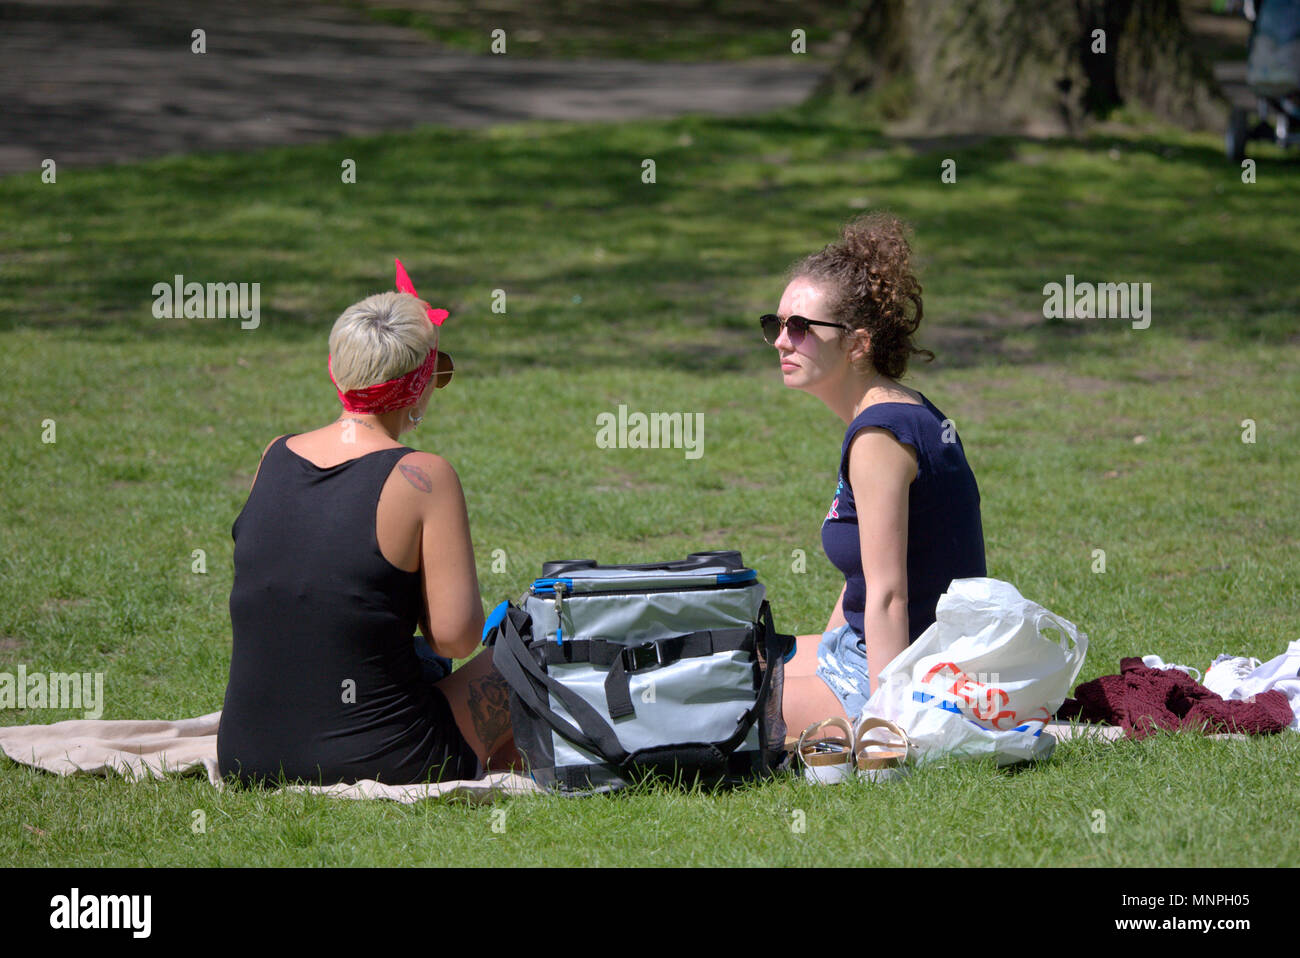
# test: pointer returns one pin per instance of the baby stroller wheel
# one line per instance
(1235, 139)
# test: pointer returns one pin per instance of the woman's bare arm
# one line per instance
(453, 609)
(880, 471)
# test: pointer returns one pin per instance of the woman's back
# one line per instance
(324, 682)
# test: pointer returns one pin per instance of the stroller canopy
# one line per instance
(1273, 67)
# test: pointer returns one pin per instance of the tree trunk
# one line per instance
(1033, 66)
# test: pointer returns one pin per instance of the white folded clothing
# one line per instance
(1237, 677)
(1227, 672)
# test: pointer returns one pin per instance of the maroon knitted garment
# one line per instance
(1141, 700)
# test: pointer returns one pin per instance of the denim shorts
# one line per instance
(433, 667)
(842, 665)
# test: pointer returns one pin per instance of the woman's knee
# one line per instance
(480, 701)
(807, 699)
(804, 662)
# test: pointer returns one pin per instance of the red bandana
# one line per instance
(404, 390)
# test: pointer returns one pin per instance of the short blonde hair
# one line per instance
(380, 338)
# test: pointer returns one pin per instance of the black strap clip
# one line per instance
(637, 658)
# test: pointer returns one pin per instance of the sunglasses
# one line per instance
(442, 370)
(442, 366)
(797, 325)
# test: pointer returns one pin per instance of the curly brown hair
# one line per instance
(870, 287)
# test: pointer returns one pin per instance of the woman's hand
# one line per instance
(881, 469)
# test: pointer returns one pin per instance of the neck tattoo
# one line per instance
(360, 422)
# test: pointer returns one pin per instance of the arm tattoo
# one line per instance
(416, 477)
(489, 707)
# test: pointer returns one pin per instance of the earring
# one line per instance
(415, 420)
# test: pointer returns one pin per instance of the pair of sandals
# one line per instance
(876, 749)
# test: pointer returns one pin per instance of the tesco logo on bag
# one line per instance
(980, 701)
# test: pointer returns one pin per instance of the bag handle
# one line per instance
(1074, 643)
(1069, 633)
(728, 558)
(517, 667)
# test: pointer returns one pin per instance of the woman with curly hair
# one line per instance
(905, 517)
(348, 540)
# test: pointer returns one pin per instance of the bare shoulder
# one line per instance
(426, 472)
(876, 452)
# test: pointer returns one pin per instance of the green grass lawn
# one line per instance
(1083, 434)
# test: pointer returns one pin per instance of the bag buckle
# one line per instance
(644, 656)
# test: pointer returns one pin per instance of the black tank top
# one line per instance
(324, 681)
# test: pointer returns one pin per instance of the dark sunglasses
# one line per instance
(772, 325)
(442, 370)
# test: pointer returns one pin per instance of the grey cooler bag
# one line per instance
(615, 671)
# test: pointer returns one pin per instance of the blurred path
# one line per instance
(98, 81)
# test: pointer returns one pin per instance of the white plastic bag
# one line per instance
(985, 678)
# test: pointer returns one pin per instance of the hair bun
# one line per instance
(877, 236)
(871, 287)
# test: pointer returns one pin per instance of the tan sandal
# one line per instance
(882, 750)
(826, 760)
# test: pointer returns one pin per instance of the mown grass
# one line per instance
(1083, 434)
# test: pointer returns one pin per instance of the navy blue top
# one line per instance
(945, 539)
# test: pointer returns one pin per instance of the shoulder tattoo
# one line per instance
(417, 477)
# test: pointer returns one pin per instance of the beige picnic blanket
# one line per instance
(142, 749)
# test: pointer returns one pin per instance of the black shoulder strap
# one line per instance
(510, 657)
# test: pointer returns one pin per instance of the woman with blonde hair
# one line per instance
(348, 540)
